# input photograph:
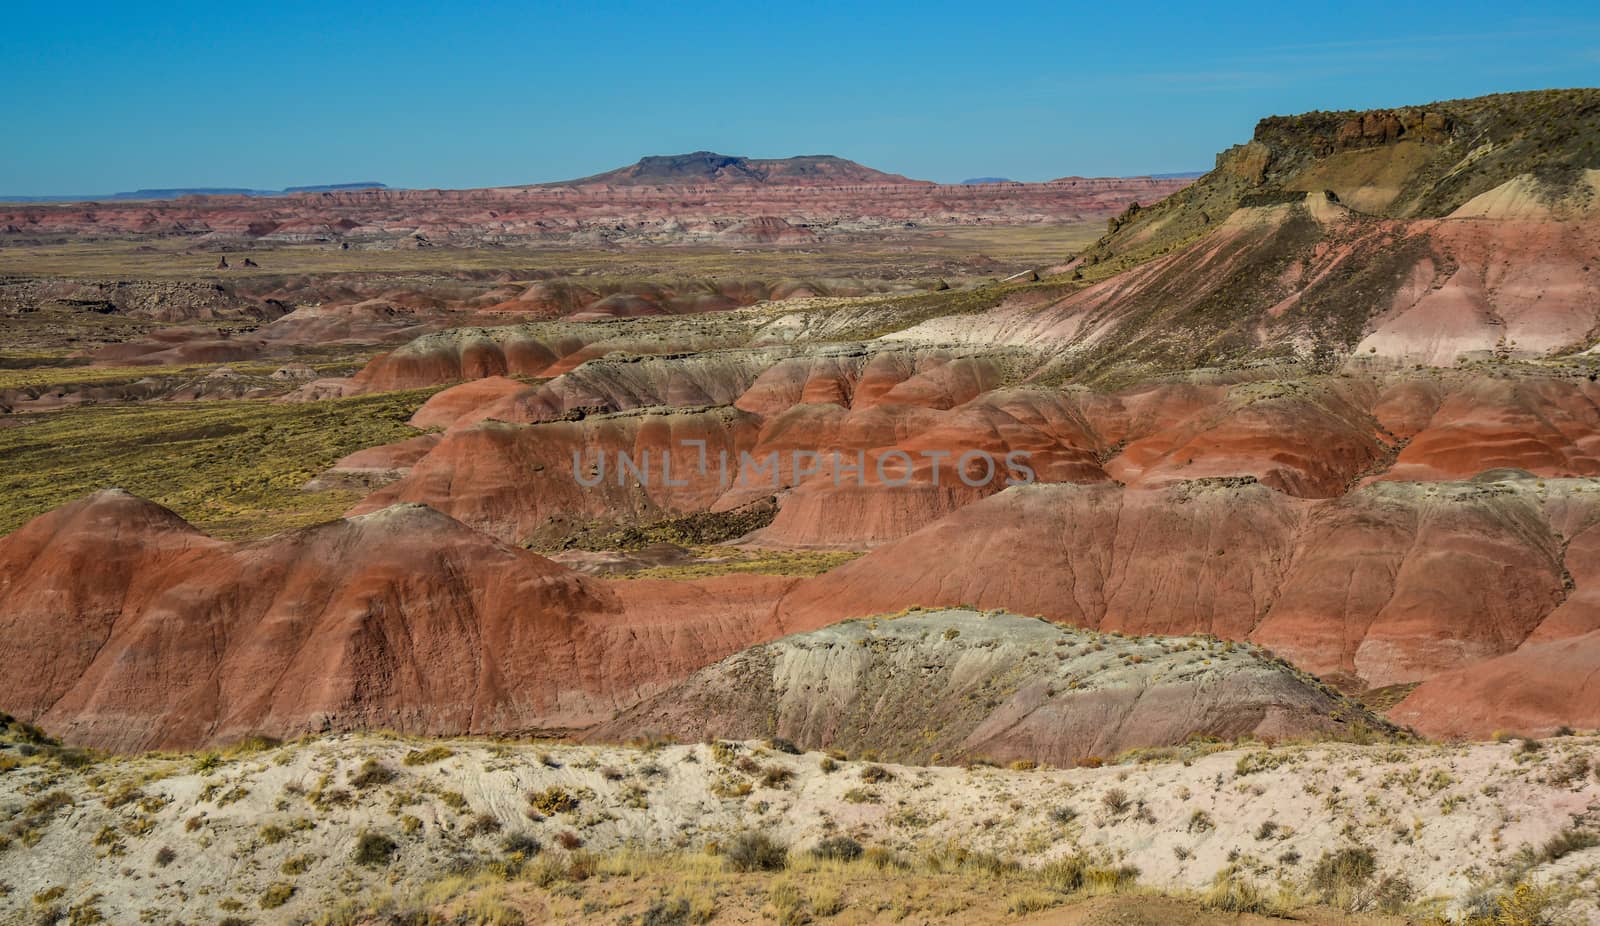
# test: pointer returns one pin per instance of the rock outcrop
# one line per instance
(952, 686)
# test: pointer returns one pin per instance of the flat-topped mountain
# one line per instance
(708, 167)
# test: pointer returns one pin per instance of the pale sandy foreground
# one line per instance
(276, 835)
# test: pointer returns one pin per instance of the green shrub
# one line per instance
(1063, 815)
(1567, 842)
(838, 848)
(522, 844)
(1394, 894)
(373, 849)
(756, 851)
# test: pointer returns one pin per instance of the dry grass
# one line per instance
(36, 371)
(904, 252)
(232, 468)
(758, 562)
(700, 887)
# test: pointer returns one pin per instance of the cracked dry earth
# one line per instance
(368, 822)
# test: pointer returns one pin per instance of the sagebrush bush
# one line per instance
(1339, 877)
(838, 848)
(553, 800)
(756, 851)
(874, 774)
(371, 774)
(373, 849)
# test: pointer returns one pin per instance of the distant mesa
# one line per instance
(975, 181)
(707, 167)
(179, 192)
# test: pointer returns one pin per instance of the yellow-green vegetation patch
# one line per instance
(20, 374)
(232, 468)
(765, 562)
(895, 256)
(428, 756)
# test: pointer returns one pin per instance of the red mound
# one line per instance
(1536, 690)
(465, 404)
(1385, 585)
(517, 482)
(124, 628)
(1549, 427)
(1304, 440)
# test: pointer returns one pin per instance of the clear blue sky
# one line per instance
(101, 96)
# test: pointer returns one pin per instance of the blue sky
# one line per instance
(100, 96)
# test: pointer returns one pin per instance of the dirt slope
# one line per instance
(954, 685)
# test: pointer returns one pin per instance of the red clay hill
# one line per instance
(1338, 399)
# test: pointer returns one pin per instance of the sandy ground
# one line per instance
(244, 830)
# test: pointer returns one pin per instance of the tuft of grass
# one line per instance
(482, 825)
(874, 774)
(1339, 878)
(1234, 892)
(553, 800)
(276, 895)
(373, 849)
(776, 776)
(428, 756)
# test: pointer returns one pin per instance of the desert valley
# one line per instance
(735, 540)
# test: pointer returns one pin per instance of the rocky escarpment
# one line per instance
(1410, 162)
(1455, 231)
(950, 686)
